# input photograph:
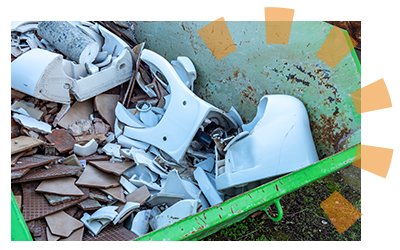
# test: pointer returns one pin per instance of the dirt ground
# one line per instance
(303, 217)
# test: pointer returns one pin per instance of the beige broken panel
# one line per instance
(23, 143)
(105, 105)
(92, 177)
(50, 236)
(116, 192)
(71, 160)
(75, 236)
(78, 111)
(24, 109)
(60, 186)
(141, 195)
(61, 224)
(116, 168)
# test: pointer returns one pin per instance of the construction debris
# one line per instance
(150, 153)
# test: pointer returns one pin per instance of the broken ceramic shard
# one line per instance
(129, 143)
(179, 210)
(92, 177)
(87, 149)
(139, 183)
(146, 114)
(32, 123)
(284, 120)
(50, 77)
(100, 219)
(116, 193)
(61, 224)
(208, 187)
(116, 168)
(24, 109)
(60, 186)
(184, 114)
(128, 186)
(140, 223)
(174, 185)
(39, 73)
(142, 173)
(146, 159)
(126, 117)
(129, 206)
(161, 198)
(207, 164)
(112, 149)
(185, 69)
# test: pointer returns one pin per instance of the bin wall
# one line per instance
(241, 78)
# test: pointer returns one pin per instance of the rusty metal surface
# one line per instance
(241, 78)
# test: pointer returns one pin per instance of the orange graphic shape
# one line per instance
(218, 39)
(278, 23)
(372, 97)
(335, 47)
(340, 211)
(376, 160)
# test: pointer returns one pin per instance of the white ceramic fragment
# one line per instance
(146, 159)
(99, 219)
(107, 212)
(127, 185)
(146, 115)
(32, 123)
(179, 210)
(140, 223)
(94, 226)
(112, 149)
(207, 164)
(138, 182)
(87, 149)
(183, 116)
(126, 117)
(104, 63)
(185, 69)
(207, 186)
(283, 119)
(101, 56)
(129, 206)
(235, 115)
(174, 185)
(39, 73)
(129, 143)
(161, 198)
(143, 173)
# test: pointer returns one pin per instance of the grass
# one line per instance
(303, 217)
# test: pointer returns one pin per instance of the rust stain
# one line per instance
(327, 132)
(250, 196)
(232, 209)
(205, 216)
(220, 216)
(277, 188)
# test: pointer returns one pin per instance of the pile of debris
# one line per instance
(109, 141)
(70, 158)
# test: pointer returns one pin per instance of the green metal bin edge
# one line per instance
(206, 222)
(19, 229)
(209, 221)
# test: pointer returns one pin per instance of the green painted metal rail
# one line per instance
(208, 221)
(19, 230)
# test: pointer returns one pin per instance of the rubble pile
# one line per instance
(72, 161)
(109, 141)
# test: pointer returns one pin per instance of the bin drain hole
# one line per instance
(184, 103)
(164, 138)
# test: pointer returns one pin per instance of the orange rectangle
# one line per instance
(218, 39)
